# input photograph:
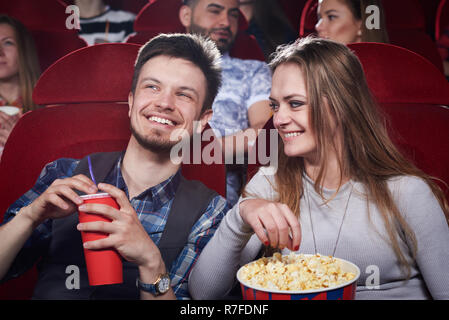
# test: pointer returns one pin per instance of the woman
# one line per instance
(341, 188)
(347, 21)
(19, 71)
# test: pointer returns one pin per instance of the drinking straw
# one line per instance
(106, 31)
(91, 170)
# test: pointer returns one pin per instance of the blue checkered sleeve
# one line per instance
(37, 242)
(201, 233)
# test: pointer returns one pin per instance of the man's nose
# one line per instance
(166, 100)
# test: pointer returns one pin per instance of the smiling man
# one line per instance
(163, 220)
(241, 106)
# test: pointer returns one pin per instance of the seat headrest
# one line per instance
(100, 73)
(46, 15)
(398, 75)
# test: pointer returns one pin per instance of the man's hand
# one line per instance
(126, 233)
(60, 199)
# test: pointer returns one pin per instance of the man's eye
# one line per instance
(182, 94)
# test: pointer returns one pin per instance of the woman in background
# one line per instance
(341, 188)
(19, 71)
(345, 21)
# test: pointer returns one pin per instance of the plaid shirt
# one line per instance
(152, 207)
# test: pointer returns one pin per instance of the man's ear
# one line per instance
(204, 119)
(130, 102)
(185, 15)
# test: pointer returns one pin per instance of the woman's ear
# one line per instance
(185, 16)
(204, 119)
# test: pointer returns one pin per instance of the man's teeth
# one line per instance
(161, 120)
(292, 134)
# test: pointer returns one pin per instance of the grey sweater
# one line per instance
(363, 241)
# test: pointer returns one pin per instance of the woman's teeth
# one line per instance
(292, 134)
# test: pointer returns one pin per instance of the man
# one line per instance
(100, 24)
(175, 81)
(241, 106)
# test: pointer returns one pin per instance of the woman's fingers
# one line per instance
(273, 222)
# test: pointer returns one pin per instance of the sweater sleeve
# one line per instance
(426, 218)
(232, 245)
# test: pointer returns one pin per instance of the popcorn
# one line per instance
(295, 272)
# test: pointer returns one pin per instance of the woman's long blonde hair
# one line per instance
(29, 69)
(332, 71)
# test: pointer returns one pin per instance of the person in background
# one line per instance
(345, 21)
(19, 71)
(268, 24)
(100, 24)
(241, 106)
(342, 188)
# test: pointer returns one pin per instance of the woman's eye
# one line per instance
(331, 17)
(296, 104)
(273, 106)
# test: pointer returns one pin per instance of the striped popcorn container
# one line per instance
(344, 291)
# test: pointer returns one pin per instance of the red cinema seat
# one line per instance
(46, 21)
(398, 75)
(161, 16)
(292, 10)
(86, 96)
(308, 18)
(413, 96)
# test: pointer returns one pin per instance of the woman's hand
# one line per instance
(273, 222)
(7, 123)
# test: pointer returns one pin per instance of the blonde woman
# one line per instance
(19, 71)
(341, 189)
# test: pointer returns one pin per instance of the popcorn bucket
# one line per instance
(344, 291)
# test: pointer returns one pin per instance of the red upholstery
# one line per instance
(292, 10)
(441, 18)
(100, 73)
(162, 17)
(90, 86)
(46, 21)
(420, 132)
(308, 18)
(42, 15)
(397, 75)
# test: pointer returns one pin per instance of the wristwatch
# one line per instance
(160, 286)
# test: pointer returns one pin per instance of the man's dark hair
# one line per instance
(197, 49)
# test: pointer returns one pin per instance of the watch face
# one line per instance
(164, 284)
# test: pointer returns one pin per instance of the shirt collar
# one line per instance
(158, 194)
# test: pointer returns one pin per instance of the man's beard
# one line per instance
(155, 143)
(222, 45)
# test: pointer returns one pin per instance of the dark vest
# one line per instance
(65, 248)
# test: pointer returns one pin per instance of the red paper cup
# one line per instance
(103, 266)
